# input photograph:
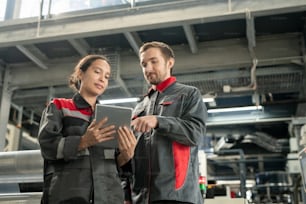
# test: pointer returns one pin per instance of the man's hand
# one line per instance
(145, 123)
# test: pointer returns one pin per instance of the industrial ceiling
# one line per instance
(241, 52)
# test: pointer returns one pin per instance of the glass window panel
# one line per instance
(2, 9)
(105, 3)
(61, 6)
(29, 8)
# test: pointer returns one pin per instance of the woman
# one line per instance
(76, 170)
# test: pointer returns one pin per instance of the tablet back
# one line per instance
(117, 115)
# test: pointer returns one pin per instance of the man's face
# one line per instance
(154, 66)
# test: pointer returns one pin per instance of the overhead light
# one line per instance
(208, 100)
(119, 100)
(209, 97)
(234, 109)
(130, 100)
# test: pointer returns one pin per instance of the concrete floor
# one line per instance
(225, 200)
(34, 198)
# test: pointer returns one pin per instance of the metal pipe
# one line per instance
(242, 168)
(253, 84)
(21, 166)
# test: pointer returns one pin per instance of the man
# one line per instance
(169, 125)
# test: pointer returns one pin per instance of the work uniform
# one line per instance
(165, 165)
(72, 176)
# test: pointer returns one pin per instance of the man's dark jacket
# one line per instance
(165, 165)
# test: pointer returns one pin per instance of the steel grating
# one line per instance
(276, 83)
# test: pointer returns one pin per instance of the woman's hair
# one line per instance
(82, 66)
(164, 48)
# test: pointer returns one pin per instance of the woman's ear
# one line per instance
(80, 75)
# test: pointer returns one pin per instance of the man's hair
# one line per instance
(164, 48)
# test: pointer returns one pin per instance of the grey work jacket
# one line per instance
(72, 176)
(166, 164)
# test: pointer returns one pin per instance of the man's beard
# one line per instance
(152, 80)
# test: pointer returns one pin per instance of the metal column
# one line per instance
(5, 106)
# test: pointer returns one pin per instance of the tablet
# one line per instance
(117, 115)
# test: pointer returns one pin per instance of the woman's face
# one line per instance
(94, 80)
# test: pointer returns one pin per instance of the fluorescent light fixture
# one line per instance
(119, 100)
(129, 100)
(208, 100)
(234, 109)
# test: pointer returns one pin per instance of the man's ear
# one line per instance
(171, 62)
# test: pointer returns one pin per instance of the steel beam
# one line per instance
(189, 32)
(127, 20)
(134, 40)
(234, 55)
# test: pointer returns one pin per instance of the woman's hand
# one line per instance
(127, 143)
(96, 133)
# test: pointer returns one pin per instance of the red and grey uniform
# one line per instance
(72, 176)
(165, 166)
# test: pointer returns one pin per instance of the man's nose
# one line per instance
(149, 67)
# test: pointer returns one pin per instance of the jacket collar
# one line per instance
(79, 101)
(164, 85)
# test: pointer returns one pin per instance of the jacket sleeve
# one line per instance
(126, 183)
(188, 126)
(52, 142)
(125, 174)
